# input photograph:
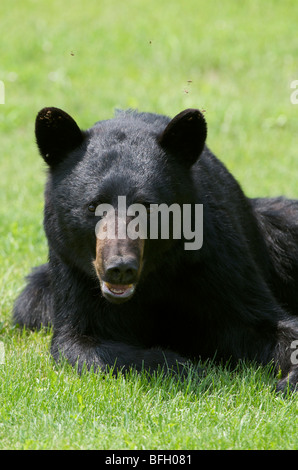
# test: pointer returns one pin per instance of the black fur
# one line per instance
(235, 298)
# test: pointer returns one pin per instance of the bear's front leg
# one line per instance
(118, 356)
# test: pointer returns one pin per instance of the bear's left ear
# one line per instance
(185, 136)
(56, 134)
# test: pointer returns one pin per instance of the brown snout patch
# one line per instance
(105, 248)
(99, 260)
(118, 264)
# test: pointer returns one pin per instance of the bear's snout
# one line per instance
(122, 270)
(118, 266)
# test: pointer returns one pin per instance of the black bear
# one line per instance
(149, 301)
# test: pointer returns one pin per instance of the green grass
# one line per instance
(88, 59)
(45, 406)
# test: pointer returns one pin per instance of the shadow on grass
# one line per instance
(197, 380)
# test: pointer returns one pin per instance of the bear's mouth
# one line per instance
(117, 293)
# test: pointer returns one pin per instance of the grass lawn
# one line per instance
(237, 61)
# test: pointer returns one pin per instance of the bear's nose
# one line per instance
(121, 270)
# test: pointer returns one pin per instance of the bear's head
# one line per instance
(105, 183)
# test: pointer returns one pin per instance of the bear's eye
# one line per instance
(92, 207)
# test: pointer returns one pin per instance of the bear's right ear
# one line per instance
(56, 134)
(185, 135)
